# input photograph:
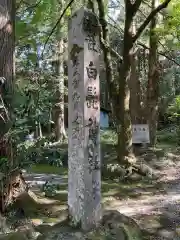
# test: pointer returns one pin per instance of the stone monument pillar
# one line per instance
(84, 177)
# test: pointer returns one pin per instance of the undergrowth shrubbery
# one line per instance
(168, 135)
(32, 106)
(108, 137)
(174, 115)
(41, 152)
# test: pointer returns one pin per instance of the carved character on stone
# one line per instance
(76, 105)
(74, 53)
(78, 118)
(94, 164)
(77, 132)
(93, 132)
(92, 44)
(76, 96)
(75, 60)
(92, 98)
(92, 103)
(91, 23)
(96, 188)
(76, 80)
(76, 72)
(91, 71)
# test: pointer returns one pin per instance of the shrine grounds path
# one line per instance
(153, 204)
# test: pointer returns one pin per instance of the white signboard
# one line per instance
(140, 133)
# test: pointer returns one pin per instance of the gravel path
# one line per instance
(157, 212)
(38, 179)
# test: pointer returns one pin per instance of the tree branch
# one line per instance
(136, 5)
(149, 18)
(115, 54)
(55, 26)
(30, 6)
(18, 5)
(160, 53)
(128, 3)
(111, 50)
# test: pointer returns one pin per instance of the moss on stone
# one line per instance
(114, 226)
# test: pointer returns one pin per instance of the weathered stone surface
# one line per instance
(115, 226)
(118, 224)
(84, 194)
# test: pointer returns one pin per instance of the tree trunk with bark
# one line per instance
(135, 85)
(7, 42)
(135, 91)
(120, 95)
(11, 181)
(12, 185)
(60, 132)
(113, 88)
(153, 79)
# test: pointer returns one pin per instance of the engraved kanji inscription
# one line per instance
(94, 163)
(76, 96)
(92, 97)
(91, 71)
(96, 188)
(92, 45)
(76, 80)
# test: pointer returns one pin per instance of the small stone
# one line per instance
(37, 222)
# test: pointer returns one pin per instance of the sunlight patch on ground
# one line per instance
(148, 205)
(40, 178)
(110, 192)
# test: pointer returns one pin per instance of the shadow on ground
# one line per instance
(154, 205)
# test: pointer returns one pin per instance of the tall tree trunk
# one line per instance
(7, 64)
(7, 71)
(153, 80)
(125, 150)
(122, 91)
(113, 88)
(7, 39)
(135, 92)
(120, 95)
(135, 86)
(60, 132)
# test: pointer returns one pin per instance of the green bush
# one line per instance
(168, 135)
(174, 115)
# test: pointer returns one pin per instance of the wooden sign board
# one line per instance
(140, 133)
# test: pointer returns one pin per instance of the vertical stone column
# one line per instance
(84, 177)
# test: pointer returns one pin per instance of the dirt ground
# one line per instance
(154, 205)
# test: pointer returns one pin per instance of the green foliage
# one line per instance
(33, 103)
(47, 169)
(4, 166)
(34, 91)
(29, 153)
(168, 135)
(169, 29)
(50, 188)
(109, 137)
(174, 109)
